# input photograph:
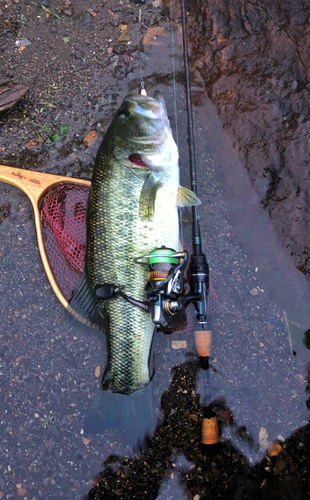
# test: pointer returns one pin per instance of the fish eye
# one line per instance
(123, 114)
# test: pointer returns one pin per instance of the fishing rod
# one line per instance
(199, 271)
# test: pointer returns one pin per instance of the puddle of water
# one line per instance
(51, 366)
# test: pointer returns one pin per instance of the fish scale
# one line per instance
(116, 236)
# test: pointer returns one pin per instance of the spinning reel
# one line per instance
(164, 289)
(165, 286)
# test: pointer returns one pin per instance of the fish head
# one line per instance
(141, 134)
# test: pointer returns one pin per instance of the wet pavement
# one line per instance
(51, 366)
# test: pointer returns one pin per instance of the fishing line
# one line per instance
(175, 107)
(174, 73)
(190, 128)
(141, 22)
(142, 84)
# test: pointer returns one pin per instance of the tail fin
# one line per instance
(132, 415)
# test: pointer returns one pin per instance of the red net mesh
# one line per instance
(64, 227)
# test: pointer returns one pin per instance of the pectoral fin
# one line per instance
(148, 197)
(186, 198)
(85, 308)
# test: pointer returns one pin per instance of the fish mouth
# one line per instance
(136, 159)
(155, 161)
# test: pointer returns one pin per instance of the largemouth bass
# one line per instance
(132, 209)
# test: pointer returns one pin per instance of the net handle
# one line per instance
(35, 185)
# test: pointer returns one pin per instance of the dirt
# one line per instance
(253, 58)
(74, 67)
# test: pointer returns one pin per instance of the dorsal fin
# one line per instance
(187, 198)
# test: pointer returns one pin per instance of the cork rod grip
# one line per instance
(203, 341)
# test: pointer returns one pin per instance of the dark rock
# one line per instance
(279, 467)
(86, 20)
(79, 57)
